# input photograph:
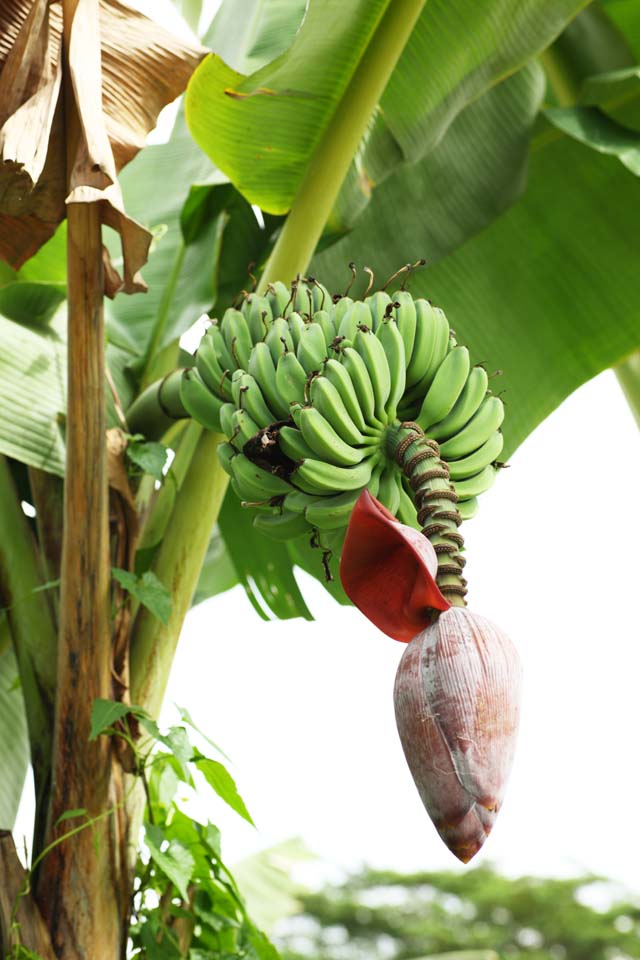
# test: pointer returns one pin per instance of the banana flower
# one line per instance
(388, 570)
(457, 689)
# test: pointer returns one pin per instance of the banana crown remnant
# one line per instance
(322, 397)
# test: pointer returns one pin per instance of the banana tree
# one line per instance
(313, 135)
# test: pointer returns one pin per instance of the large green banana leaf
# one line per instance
(14, 749)
(262, 129)
(548, 292)
(247, 34)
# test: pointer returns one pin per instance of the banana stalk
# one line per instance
(436, 500)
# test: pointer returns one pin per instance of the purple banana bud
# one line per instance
(457, 701)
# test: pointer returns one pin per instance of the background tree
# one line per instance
(391, 916)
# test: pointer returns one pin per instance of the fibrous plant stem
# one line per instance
(177, 566)
(330, 163)
(435, 499)
(79, 882)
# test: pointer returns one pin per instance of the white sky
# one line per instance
(305, 709)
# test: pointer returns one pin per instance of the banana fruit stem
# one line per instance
(435, 499)
(330, 163)
(177, 566)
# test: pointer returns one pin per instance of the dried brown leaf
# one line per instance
(124, 69)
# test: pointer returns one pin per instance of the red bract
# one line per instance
(388, 571)
(457, 700)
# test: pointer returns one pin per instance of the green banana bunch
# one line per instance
(310, 391)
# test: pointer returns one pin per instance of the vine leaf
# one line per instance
(105, 713)
(148, 590)
(175, 862)
(219, 778)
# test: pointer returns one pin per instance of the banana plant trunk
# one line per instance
(82, 883)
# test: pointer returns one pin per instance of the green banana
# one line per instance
(330, 513)
(254, 483)
(227, 411)
(262, 368)
(226, 452)
(372, 352)
(279, 339)
(320, 294)
(467, 508)
(248, 395)
(326, 398)
(281, 525)
(198, 400)
(389, 489)
(326, 444)
(312, 349)
(316, 476)
(374, 480)
(244, 427)
(291, 379)
(297, 502)
(407, 319)
(210, 369)
(278, 295)
(447, 386)
(483, 423)
(324, 318)
(224, 355)
(406, 511)
(465, 406)
(429, 348)
(478, 460)
(257, 311)
(358, 315)
(301, 297)
(378, 303)
(296, 328)
(292, 444)
(237, 336)
(390, 337)
(359, 374)
(474, 486)
(343, 306)
(336, 373)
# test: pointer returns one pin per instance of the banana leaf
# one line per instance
(289, 104)
(548, 291)
(14, 755)
(33, 372)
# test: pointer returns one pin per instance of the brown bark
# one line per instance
(20, 920)
(82, 884)
(79, 886)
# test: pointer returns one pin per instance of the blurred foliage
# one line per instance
(389, 916)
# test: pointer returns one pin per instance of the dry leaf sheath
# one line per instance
(143, 67)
